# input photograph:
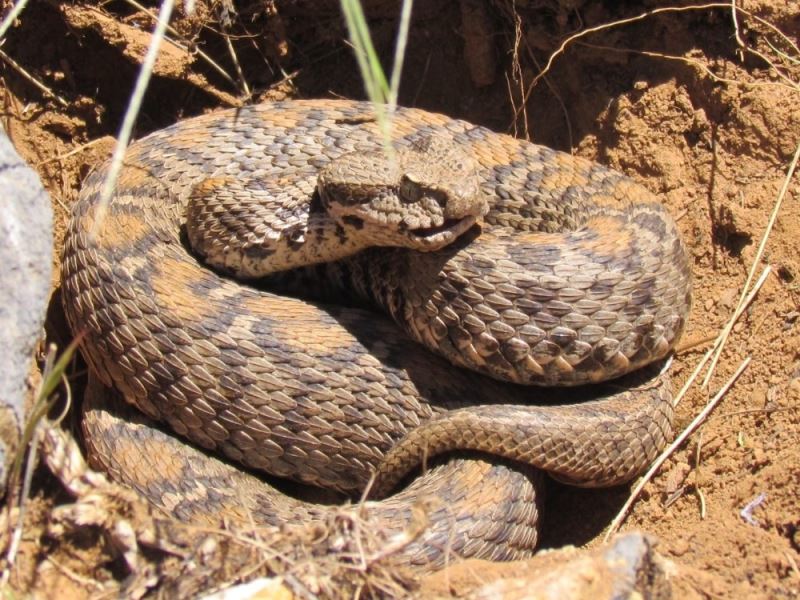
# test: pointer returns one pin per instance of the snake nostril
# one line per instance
(441, 198)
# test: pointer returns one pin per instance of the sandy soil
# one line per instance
(672, 100)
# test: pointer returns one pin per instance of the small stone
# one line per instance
(777, 563)
(760, 396)
(759, 458)
(794, 388)
(728, 297)
(676, 477)
(680, 547)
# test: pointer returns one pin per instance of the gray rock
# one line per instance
(626, 568)
(26, 255)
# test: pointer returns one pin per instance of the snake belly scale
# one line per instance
(575, 275)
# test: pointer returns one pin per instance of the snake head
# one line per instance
(422, 196)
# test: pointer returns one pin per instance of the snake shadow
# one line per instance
(576, 516)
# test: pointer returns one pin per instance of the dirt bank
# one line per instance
(681, 101)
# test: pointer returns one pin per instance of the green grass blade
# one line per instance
(379, 91)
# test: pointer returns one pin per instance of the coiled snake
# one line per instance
(573, 275)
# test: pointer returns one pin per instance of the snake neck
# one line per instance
(233, 229)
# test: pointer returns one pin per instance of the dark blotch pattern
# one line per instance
(323, 395)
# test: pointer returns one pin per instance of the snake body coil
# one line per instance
(576, 275)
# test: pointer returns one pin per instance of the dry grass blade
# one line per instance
(88, 582)
(696, 422)
(11, 17)
(72, 152)
(756, 260)
(52, 376)
(399, 52)
(722, 336)
(382, 91)
(132, 112)
(244, 88)
(745, 48)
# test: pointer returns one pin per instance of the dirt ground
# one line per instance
(705, 113)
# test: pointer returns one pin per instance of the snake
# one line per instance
(433, 312)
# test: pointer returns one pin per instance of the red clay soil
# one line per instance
(673, 100)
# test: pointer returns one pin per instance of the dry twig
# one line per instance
(32, 80)
(640, 17)
(721, 337)
(696, 422)
(756, 261)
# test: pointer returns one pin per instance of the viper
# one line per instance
(524, 292)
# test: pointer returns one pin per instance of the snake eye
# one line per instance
(410, 189)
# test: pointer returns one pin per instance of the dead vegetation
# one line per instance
(700, 102)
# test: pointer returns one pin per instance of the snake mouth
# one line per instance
(443, 234)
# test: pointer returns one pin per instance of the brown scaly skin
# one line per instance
(189, 485)
(322, 394)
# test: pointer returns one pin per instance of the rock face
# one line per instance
(626, 567)
(26, 258)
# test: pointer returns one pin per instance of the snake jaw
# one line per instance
(435, 238)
